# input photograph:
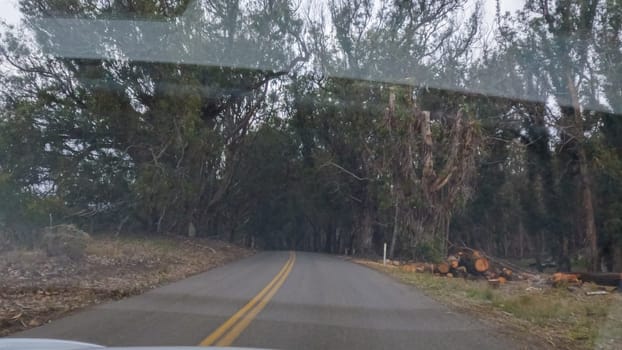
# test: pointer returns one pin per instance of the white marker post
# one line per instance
(384, 254)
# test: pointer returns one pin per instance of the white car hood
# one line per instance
(54, 344)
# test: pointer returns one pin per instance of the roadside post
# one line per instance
(384, 254)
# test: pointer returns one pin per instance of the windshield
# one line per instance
(449, 157)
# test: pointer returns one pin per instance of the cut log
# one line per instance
(475, 262)
(602, 278)
(420, 267)
(560, 278)
(475, 266)
(494, 283)
(481, 265)
(414, 267)
(502, 280)
(408, 268)
(429, 268)
(449, 275)
(442, 268)
(453, 262)
(507, 273)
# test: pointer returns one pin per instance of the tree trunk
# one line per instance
(605, 279)
(587, 204)
(338, 241)
(428, 174)
(329, 244)
(395, 191)
(521, 231)
(616, 258)
(588, 210)
(365, 234)
(395, 228)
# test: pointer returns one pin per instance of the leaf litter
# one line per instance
(36, 289)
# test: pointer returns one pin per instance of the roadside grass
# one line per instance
(562, 318)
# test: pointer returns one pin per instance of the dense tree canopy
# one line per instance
(326, 127)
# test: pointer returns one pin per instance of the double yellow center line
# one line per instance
(231, 329)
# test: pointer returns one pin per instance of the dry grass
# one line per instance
(561, 318)
(35, 288)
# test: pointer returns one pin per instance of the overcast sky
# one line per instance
(10, 13)
(70, 42)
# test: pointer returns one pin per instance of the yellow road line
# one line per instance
(235, 332)
(223, 328)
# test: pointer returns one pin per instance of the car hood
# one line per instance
(54, 344)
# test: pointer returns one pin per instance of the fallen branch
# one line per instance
(602, 278)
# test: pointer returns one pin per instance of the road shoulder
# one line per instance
(534, 319)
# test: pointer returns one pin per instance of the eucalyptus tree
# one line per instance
(144, 104)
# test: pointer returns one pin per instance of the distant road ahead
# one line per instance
(280, 300)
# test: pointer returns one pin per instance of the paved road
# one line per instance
(323, 303)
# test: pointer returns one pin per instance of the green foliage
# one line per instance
(277, 147)
(428, 251)
(481, 294)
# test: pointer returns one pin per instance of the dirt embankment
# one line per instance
(36, 288)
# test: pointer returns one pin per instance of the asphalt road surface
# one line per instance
(280, 300)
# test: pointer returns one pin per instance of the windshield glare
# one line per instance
(470, 148)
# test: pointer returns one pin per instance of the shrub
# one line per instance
(65, 240)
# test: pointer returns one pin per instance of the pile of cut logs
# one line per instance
(470, 263)
(465, 263)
